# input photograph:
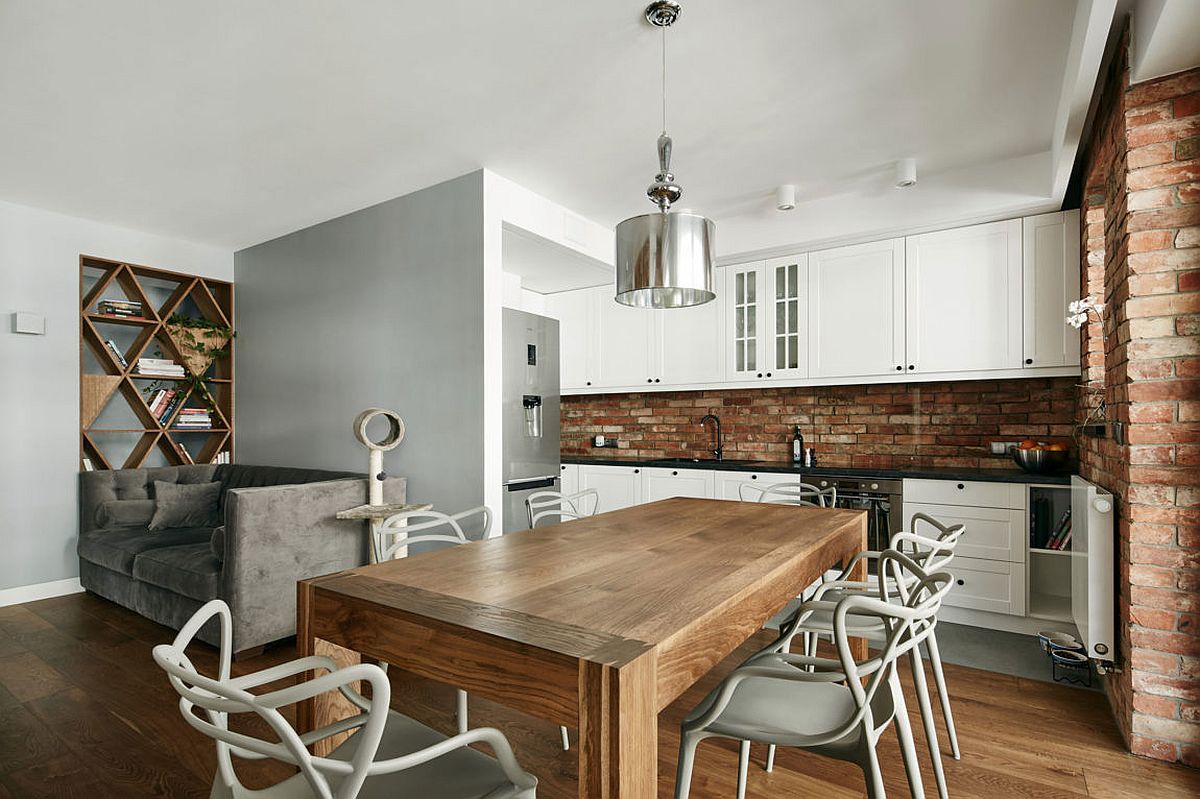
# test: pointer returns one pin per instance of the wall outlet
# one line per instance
(1001, 447)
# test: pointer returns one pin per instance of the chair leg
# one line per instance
(931, 737)
(743, 768)
(687, 758)
(566, 739)
(462, 712)
(908, 747)
(770, 758)
(870, 767)
(939, 679)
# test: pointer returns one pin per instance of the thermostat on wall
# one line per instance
(31, 323)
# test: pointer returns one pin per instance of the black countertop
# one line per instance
(914, 472)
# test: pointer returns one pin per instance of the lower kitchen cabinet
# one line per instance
(728, 485)
(568, 482)
(992, 533)
(996, 586)
(617, 486)
(666, 483)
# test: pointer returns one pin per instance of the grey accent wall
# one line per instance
(379, 308)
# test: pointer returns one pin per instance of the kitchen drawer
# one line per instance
(992, 533)
(992, 585)
(660, 483)
(728, 484)
(965, 492)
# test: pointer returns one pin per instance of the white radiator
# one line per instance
(1092, 572)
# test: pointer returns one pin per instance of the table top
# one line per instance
(373, 512)
(609, 587)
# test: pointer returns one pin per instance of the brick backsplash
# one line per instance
(887, 425)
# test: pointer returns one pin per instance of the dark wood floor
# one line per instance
(84, 712)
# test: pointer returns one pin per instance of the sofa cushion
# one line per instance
(238, 475)
(190, 570)
(125, 513)
(217, 543)
(182, 505)
(116, 548)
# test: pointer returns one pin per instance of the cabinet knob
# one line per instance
(911, 367)
(961, 486)
(754, 477)
(656, 380)
(760, 374)
(768, 374)
(1028, 361)
(960, 582)
(674, 474)
(637, 471)
(648, 380)
(898, 369)
(589, 382)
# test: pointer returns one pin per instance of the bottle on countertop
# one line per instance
(797, 446)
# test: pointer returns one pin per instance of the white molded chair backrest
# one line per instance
(789, 494)
(429, 526)
(546, 504)
(931, 553)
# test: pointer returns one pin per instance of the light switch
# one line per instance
(30, 323)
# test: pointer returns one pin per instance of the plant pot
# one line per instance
(186, 340)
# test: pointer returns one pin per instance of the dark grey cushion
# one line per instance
(190, 570)
(181, 505)
(217, 543)
(116, 548)
(125, 513)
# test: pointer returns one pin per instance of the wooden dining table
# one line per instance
(596, 624)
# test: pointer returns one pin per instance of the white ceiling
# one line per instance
(547, 267)
(233, 122)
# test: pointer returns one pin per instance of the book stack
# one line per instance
(126, 309)
(158, 367)
(194, 419)
(222, 457)
(164, 401)
(1060, 539)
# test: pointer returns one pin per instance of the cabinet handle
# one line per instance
(768, 374)
(961, 486)
(960, 582)
(1028, 361)
(898, 369)
(648, 380)
(589, 382)
(760, 374)
(674, 474)
(754, 477)
(656, 380)
(637, 471)
(911, 367)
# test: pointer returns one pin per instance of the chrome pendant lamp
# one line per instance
(665, 259)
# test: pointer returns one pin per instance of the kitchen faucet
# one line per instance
(718, 450)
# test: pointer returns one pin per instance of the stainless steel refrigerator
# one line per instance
(531, 423)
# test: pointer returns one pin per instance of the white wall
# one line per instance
(39, 377)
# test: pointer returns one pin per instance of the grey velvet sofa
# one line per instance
(279, 527)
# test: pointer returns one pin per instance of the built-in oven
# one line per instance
(883, 500)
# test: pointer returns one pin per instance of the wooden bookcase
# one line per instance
(116, 427)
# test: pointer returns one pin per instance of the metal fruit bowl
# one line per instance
(1039, 461)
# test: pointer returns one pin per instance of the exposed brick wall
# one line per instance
(1141, 237)
(894, 424)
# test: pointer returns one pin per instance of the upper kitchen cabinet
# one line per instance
(688, 345)
(767, 319)
(623, 341)
(576, 313)
(963, 299)
(1051, 262)
(856, 310)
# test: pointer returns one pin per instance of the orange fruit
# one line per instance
(1058, 446)
(1028, 443)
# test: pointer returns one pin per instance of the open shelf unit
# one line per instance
(1049, 569)
(117, 428)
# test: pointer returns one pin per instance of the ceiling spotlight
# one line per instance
(785, 197)
(906, 173)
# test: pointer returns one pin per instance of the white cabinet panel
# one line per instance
(569, 478)
(623, 339)
(991, 533)
(1051, 280)
(617, 486)
(993, 585)
(666, 483)
(743, 289)
(689, 344)
(963, 299)
(728, 485)
(576, 314)
(856, 310)
(965, 492)
(786, 321)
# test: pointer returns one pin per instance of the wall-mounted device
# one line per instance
(29, 323)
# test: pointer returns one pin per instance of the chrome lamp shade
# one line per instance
(665, 260)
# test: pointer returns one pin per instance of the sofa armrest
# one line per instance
(277, 535)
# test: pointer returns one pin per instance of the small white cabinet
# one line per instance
(688, 344)
(767, 319)
(618, 486)
(666, 483)
(623, 340)
(963, 299)
(576, 312)
(728, 485)
(856, 310)
(1051, 281)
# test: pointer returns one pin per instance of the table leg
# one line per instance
(329, 707)
(618, 730)
(858, 646)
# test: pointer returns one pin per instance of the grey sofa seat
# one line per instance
(117, 548)
(280, 526)
(191, 570)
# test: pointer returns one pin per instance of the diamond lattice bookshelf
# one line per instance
(117, 427)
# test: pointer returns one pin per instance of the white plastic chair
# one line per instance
(821, 704)
(815, 619)
(388, 754)
(789, 494)
(562, 507)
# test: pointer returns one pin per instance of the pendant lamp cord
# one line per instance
(664, 79)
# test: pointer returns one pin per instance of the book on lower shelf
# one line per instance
(126, 309)
(158, 367)
(221, 458)
(1062, 533)
(183, 453)
(87, 465)
(193, 419)
(112, 347)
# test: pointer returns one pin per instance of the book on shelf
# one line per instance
(87, 465)
(171, 405)
(1061, 531)
(221, 458)
(129, 309)
(183, 453)
(112, 347)
(158, 367)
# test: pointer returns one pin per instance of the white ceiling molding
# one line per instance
(1164, 38)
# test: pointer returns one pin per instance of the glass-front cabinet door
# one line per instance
(766, 318)
(787, 322)
(742, 292)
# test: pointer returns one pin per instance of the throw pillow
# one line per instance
(124, 512)
(185, 505)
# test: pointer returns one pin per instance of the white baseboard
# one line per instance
(32, 593)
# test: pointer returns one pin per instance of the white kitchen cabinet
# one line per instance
(856, 310)
(576, 312)
(992, 533)
(617, 486)
(688, 345)
(963, 299)
(996, 586)
(659, 483)
(1051, 281)
(767, 319)
(623, 340)
(568, 481)
(727, 485)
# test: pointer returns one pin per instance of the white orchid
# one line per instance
(1079, 310)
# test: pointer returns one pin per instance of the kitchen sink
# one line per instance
(700, 461)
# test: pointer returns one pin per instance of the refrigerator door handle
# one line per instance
(547, 481)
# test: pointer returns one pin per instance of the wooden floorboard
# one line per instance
(84, 712)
